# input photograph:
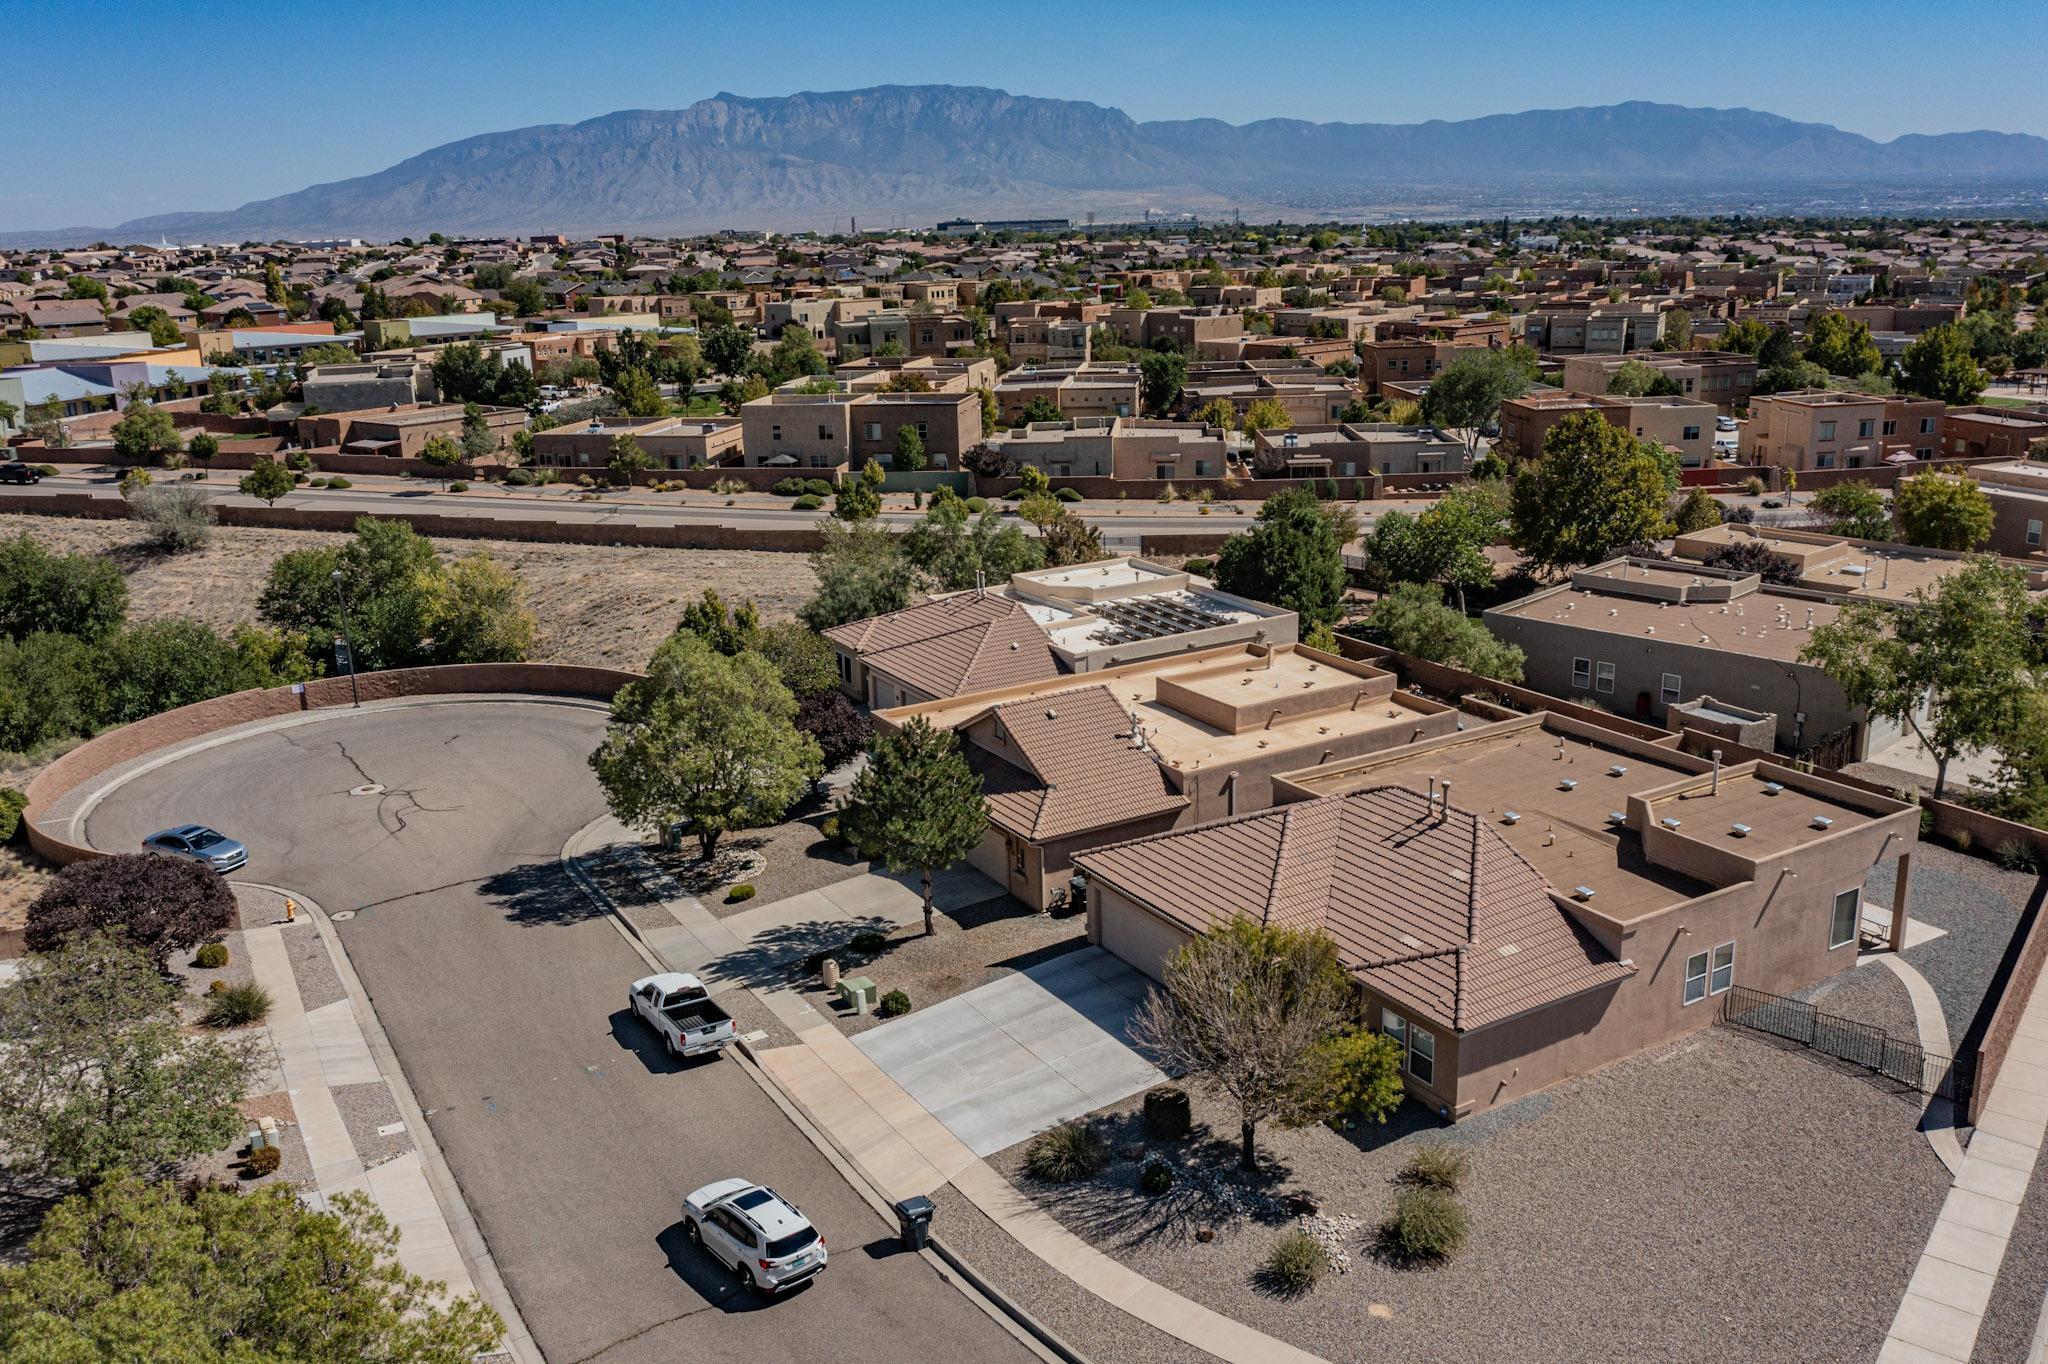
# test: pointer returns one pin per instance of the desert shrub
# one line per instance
(818, 487)
(47, 470)
(337, 481)
(179, 517)
(829, 827)
(808, 502)
(977, 505)
(893, 1005)
(1753, 486)
(2014, 855)
(518, 478)
(263, 1160)
(788, 487)
(1167, 1115)
(1436, 1167)
(458, 486)
(12, 803)
(728, 487)
(1156, 1178)
(1427, 1226)
(301, 460)
(216, 985)
(868, 943)
(1295, 1262)
(1067, 494)
(211, 956)
(1063, 1154)
(1963, 840)
(1201, 568)
(742, 891)
(161, 904)
(236, 1006)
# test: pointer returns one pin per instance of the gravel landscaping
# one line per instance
(1868, 993)
(365, 1108)
(1978, 903)
(786, 859)
(1713, 1192)
(973, 946)
(312, 965)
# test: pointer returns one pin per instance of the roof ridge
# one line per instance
(1472, 881)
(1279, 861)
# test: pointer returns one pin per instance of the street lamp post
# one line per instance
(347, 642)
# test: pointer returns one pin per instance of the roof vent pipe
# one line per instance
(1716, 790)
(1446, 807)
(1432, 795)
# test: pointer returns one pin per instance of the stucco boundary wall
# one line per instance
(1945, 819)
(798, 541)
(174, 727)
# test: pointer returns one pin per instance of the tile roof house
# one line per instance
(970, 641)
(1073, 767)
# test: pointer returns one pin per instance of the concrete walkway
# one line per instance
(1939, 1317)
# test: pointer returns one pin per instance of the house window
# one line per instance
(1201, 468)
(1691, 433)
(1582, 673)
(1824, 461)
(1924, 452)
(1394, 1026)
(1603, 677)
(1891, 428)
(1927, 426)
(1162, 471)
(1826, 432)
(1671, 687)
(873, 430)
(2033, 532)
(824, 432)
(923, 431)
(1865, 429)
(1723, 974)
(775, 433)
(1696, 977)
(1847, 918)
(1422, 1054)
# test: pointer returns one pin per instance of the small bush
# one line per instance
(215, 986)
(1063, 1154)
(458, 486)
(337, 481)
(788, 487)
(12, 803)
(868, 943)
(263, 1160)
(1436, 1167)
(1156, 1178)
(1427, 1226)
(518, 478)
(212, 956)
(893, 1005)
(729, 487)
(1167, 1114)
(808, 502)
(1201, 568)
(1067, 494)
(2014, 855)
(236, 1006)
(179, 518)
(1295, 1262)
(977, 505)
(1753, 486)
(818, 487)
(829, 827)
(1963, 840)
(742, 891)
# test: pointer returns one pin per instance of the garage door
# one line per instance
(1139, 938)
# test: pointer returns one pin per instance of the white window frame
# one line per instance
(1721, 971)
(2033, 532)
(1603, 677)
(1696, 981)
(1672, 689)
(1582, 673)
(1426, 1049)
(1826, 431)
(1853, 897)
(1396, 1027)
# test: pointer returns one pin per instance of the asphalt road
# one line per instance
(503, 990)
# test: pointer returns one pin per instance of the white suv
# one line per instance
(757, 1233)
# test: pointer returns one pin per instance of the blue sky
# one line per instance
(161, 105)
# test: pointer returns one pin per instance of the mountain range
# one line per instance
(913, 154)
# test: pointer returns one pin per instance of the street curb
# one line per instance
(1018, 1321)
(469, 1237)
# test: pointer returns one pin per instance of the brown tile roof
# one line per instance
(972, 641)
(1076, 768)
(1434, 910)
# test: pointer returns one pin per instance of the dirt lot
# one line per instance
(596, 604)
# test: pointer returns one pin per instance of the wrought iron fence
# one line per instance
(1860, 1044)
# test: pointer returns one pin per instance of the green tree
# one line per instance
(627, 459)
(1941, 511)
(803, 660)
(212, 1276)
(1635, 379)
(46, 423)
(85, 287)
(1040, 409)
(1413, 619)
(1840, 346)
(1161, 377)
(441, 455)
(268, 480)
(909, 457)
(958, 551)
(728, 630)
(1261, 1016)
(1466, 394)
(1217, 412)
(861, 572)
(727, 348)
(1265, 414)
(66, 594)
(1854, 509)
(857, 502)
(477, 438)
(1939, 365)
(1595, 491)
(1067, 539)
(705, 740)
(1698, 510)
(917, 806)
(637, 394)
(154, 320)
(48, 691)
(1445, 545)
(476, 612)
(99, 1077)
(1293, 558)
(1955, 664)
(162, 664)
(1747, 336)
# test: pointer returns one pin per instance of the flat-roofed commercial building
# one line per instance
(1527, 900)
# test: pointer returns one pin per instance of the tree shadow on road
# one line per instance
(539, 894)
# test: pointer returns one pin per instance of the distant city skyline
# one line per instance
(205, 108)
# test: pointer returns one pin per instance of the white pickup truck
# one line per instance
(679, 1008)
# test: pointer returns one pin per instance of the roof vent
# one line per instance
(1739, 830)
(1772, 788)
(1511, 816)
(1617, 817)
(1051, 714)
(1568, 784)
(1618, 770)
(1582, 892)
(1823, 822)
(1669, 821)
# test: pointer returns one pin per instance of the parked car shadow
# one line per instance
(711, 1281)
(635, 1036)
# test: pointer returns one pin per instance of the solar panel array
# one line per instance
(1154, 618)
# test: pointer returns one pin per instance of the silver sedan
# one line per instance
(196, 842)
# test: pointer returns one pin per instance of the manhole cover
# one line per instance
(341, 915)
(367, 789)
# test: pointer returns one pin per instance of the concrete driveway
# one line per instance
(1017, 1056)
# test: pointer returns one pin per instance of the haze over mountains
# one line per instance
(914, 154)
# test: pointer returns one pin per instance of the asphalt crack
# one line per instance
(629, 1339)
